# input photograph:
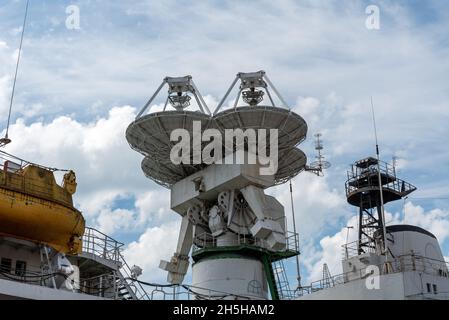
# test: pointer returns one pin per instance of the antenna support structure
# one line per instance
(178, 95)
(235, 233)
(317, 167)
(366, 179)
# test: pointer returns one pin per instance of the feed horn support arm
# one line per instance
(178, 265)
(178, 85)
(252, 80)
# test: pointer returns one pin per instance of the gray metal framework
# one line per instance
(177, 86)
(363, 191)
(252, 80)
(105, 271)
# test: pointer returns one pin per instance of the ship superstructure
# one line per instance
(386, 262)
(46, 252)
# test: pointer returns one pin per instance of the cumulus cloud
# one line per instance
(435, 220)
(108, 221)
(330, 252)
(107, 169)
(317, 206)
(154, 244)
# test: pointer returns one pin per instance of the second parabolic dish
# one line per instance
(150, 134)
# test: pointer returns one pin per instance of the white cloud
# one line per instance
(154, 207)
(317, 206)
(435, 220)
(330, 251)
(154, 244)
(110, 220)
(4, 96)
(107, 169)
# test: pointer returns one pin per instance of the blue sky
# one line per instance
(78, 90)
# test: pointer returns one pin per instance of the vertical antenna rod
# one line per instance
(379, 177)
(298, 272)
(15, 75)
(347, 239)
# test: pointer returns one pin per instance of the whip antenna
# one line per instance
(4, 141)
(382, 213)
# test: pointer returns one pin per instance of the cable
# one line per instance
(204, 296)
(152, 284)
(188, 288)
(17, 69)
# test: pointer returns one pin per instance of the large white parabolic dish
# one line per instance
(150, 135)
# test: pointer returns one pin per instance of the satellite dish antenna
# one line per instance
(149, 134)
(319, 164)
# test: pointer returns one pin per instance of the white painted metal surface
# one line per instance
(416, 270)
(240, 276)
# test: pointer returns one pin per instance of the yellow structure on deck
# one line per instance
(34, 207)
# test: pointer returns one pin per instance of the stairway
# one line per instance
(125, 288)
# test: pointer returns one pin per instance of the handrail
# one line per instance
(140, 292)
(100, 244)
(359, 178)
(23, 163)
(97, 243)
(207, 240)
(404, 263)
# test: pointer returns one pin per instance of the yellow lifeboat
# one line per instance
(34, 207)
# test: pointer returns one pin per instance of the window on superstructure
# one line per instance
(5, 265)
(21, 268)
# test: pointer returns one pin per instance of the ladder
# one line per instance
(281, 280)
(277, 279)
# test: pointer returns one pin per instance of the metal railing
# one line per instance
(19, 163)
(101, 245)
(359, 178)
(351, 249)
(190, 292)
(371, 168)
(207, 240)
(404, 263)
(398, 185)
(127, 279)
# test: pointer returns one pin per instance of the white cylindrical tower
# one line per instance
(222, 274)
